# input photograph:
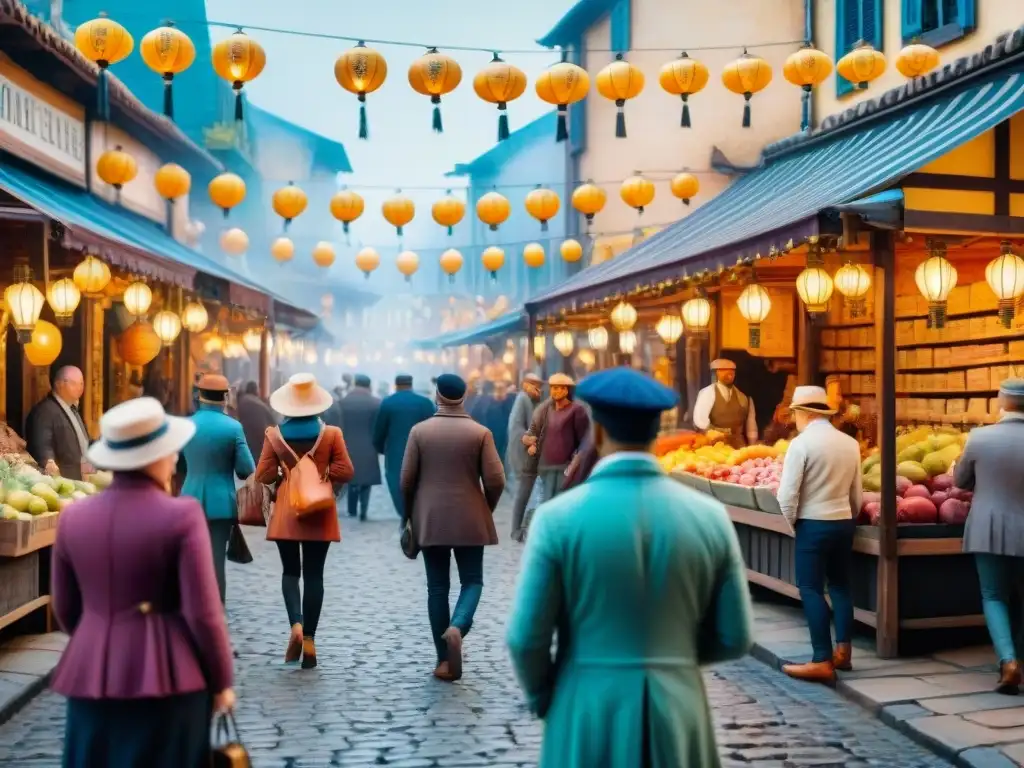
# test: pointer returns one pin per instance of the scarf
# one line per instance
(301, 428)
(446, 407)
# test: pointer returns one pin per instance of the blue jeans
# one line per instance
(1000, 576)
(824, 552)
(358, 500)
(470, 562)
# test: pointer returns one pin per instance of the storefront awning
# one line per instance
(515, 321)
(782, 198)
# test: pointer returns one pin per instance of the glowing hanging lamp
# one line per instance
(137, 299)
(361, 70)
(853, 281)
(91, 276)
(697, 315)
(623, 316)
(669, 328)
(64, 297)
(815, 288)
(407, 262)
(167, 326)
(194, 317)
(167, 51)
(1005, 276)
(533, 255)
(493, 259)
(539, 347)
(683, 77)
(24, 302)
(564, 342)
(754, 304)
(936, 279)
(239, 59)
(627, 342)
(598, 338)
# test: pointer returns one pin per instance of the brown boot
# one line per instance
(812, 671)
(294, 651)
(441, 672)
(308, 653)
(842, 657)
(453, 637)
(1009, 678)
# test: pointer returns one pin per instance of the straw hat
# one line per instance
(301, 396)
(721, 364)
(532, 378)
(136, 433)
(561, 380)
(811, 400)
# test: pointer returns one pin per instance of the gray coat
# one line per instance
(52, 436)
(358, 414)
(518, 424)
(993, 467)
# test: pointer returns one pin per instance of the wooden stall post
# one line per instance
(93, 313)
(808, 336)
(883, 247)
(265, 363)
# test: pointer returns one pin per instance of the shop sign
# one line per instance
(34, 129)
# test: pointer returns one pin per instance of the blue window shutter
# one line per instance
(847, 33)
(621, 32)
(578, 111)
(871, 23)
(966, 10)
(912, 19)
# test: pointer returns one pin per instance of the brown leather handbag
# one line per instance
(304, 489)
(253, 503)
(230, 752)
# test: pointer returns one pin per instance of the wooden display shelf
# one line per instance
(939, 393)
(22, 537)
(848, 348)
(1016, 336)
(985, 362)
(955, 421)
(856, 371)
(43, 601)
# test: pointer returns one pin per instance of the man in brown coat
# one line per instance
(452, 478)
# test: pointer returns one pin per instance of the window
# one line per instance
(937, 22)
(856, 21)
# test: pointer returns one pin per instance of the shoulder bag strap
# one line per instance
(319, 437)
(281, 447)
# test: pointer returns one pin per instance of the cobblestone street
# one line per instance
(373, 701)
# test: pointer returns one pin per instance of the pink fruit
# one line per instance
(872, 511)
(917, 490)
(917, 510)
(954, 512)
(869, 496)
(939, 498)
(748, 480)
(941, 482)
(902, 484)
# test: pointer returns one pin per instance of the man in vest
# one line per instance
(723, 408)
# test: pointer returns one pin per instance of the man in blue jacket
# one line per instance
(398, 414)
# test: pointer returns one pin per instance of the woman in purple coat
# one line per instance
(134, 587)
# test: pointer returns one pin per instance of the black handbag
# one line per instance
(229, 752)
(238, 550)
(410, 547)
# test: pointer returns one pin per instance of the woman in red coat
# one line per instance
(303, 542)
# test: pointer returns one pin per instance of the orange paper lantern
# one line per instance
(139, 345)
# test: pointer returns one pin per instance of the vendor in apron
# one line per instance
(723, 408)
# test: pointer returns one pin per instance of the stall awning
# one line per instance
(782, 198)
(515, 321)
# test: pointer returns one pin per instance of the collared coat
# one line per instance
(51, 435)
(518, 424)
(398, 414)
(134, 587)
(643, 580)
(358, 413)
(452, 479)
(214, 458)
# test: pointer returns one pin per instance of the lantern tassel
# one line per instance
(239, 116)
(366, 275)
(103, 95)
(437, 125)
(805, 115)
(544, 225)
(451, 231)
(168, 96)
(364, 128)
(286, 223)
(685, 122)
(502, 122)
(746, 110)
(562, 132)
(620, 119)
(399, 231)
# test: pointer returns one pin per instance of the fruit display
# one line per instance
(752, 465)
(26, 493)
(936, 500)
(684, 439)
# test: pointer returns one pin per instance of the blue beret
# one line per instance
(403, 380)
(451, 387)
(362, 380)
(628, 404)
(1012, 387)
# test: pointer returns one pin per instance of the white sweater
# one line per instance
(821, 475)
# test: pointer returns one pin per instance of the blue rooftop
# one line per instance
(575, 22)
(327, 153)
(503, 151)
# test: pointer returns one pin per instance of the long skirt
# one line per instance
(172, 732)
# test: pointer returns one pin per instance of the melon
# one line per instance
(912, 471)
(47, 494)
(38, 506)
(940, 441)
(9, 513)
(936, 463)
(913, 453)
(19, 500)
(65, 487)
(870, 462)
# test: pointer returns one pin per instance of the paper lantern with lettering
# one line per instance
(407, 262)
(167, 51)
(434, 74)
(239, 59)
(493, 209)
(1005, 276)
(936, 279)
(623, 316)
(493, 259)
(451, 263)
(91, 276)
(289, 202)
(499, 83)
(637, 192)
(226, 191)
(367, 260)
(104, 42)
(620, 81)
(172, 181)
(697, 315)
(571, 251)
(589, 199)
(853, 281)
(24, 302)
(116, 167)
(562, 84)
(323, 254)
(807, 68)
(234, 241)
(45, 345)
(861, 65)
(533, 255)
(361, 70)
(448, 211)
(754, 304)
(917, 60)
(282, 249)
(398, 210)
(194, 317)
(746, 76)
(167, 326)
(64, 298)
(683, 77)
(543, 205)
(346, 207)
(685, 186)
(139, 345)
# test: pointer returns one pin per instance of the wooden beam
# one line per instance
(24, 610)
(862, 615)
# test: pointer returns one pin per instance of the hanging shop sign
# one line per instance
(40, 125)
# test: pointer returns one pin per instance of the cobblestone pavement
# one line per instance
(373, 701)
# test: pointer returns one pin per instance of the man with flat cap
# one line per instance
(722, 407)
(642, 582)
(398, 414)
(358, 414)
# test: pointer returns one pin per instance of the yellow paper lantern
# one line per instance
(540, 347)
(533, 255)
(669, 328)
(815, 288)
(493, 259)
(167, 51)
(172, 181)
(499, 83)
(543, 205)
(697, 315)
(214, 343)
(116, 167)
(289, 202)
(936, 278)
(917, 60)
(861, 65)
(685, 186)
(226, 191)
(623, 316)
(1005, 276)
(64, 298)
(589, 199)
(571, 251)
(451, 263)
(282, 249)
(637, 192)
(367, 260)
(746, 76)
(139, 345)
(448, 211)
(853, 281)
(24, 302)
(234, 241)
(137, 298)
(45, 345)
(407, 262)
(361, 70)
(398, 211)
(323, 254)
(683, 77)
(252, 339)
(619, 82)
(435, 74)
(167, 326)
(564, 342)
(562, 84)
(91, 276)
(194, 317)
(103, 41)
(239, 59)
(598, 338)
(493, 210)
(346, 207)
(754, 304)
(807, 68)
(627, 342)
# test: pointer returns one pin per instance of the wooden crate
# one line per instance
(19, 582)
(21, 537)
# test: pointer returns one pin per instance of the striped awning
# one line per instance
(508, 323)
(781, 199)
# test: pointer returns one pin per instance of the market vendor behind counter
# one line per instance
(722, 407)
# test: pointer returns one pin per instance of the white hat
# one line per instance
(721, 364)
(561, 380)
(301, 396)
(812, 400)
(136, 433)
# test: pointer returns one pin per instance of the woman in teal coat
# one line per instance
(214, 458)
(642, 581)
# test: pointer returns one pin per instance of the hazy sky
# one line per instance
(298, 82)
